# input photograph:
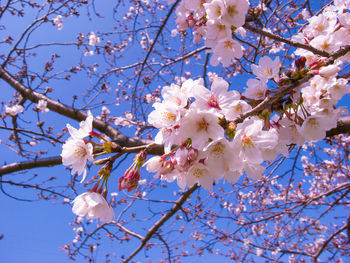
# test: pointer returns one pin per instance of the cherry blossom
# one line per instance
(76, 152)
(235, 12)
(267, 68)
(14, 110)
(85, 128)
(199, 173)
(256, 89)
(42, 106)
(200, 126)
(251, 139)
(93, 39)
(93, 206)
(217, 99)
(225, 51)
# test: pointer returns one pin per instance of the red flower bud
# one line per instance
(129, 180)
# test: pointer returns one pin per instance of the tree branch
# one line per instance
(287, 41)
(270, 99)
(162, 220)
(20, 166)
(342, 127)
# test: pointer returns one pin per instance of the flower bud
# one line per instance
(317, 63)
(101, 161)
(154, 164)
(129, 180)
(300, 62)
(106, 170)
(140, 158)
(329, 71)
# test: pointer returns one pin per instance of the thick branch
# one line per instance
(77, 115)
(164, 218)
(57, 106)
(20, 166)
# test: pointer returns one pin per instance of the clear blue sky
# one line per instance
(34, 231)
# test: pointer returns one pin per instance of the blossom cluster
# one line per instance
(205, 136)
(327, 31)
(215, 21)
(204, 142)
(193, 118)
(76, 151)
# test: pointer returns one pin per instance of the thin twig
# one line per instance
(162, 220)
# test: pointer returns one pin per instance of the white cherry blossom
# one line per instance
(236, 108)
(76, 152)
(315, 126)
(235, 12)
(14, 110)
(267, 68)
(250, 139)
(93, 39)
(42, 106)
(215, 10)
(201, 126)
(84, 130)
(256, 89)
(218, 98)
(225, 51)
(93, 206)
(199, 173)
(221, 158)
(165, 115)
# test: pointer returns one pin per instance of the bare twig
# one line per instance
(162, 220)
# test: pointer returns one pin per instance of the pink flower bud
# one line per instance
(129, 180)
(192, 154)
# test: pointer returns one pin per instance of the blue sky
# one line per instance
(34, 230)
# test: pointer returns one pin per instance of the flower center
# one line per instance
(313, 123)
(218, 11)
(228, 44)
(268, 72)
(213, 102)
(319, 27)
(231, 10)
(218, 150)
(80, 151)
(168, 116)
(197, 173)
(325, 46)
(238, 107)
(202, 125)
(221, 28)
(247, 141)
